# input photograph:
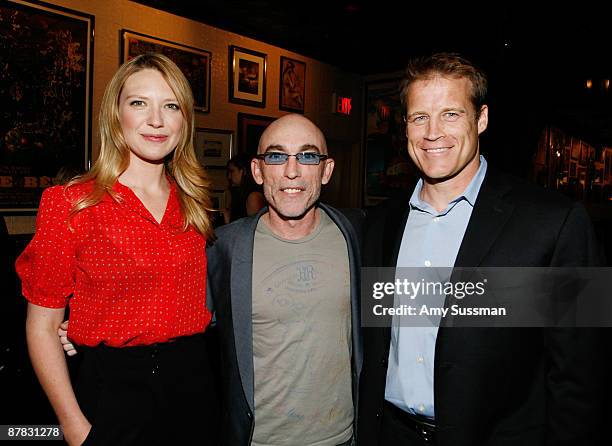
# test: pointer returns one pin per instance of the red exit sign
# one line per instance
(343, 105)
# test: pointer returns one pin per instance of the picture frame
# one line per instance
(598, 173)
(388, 169)
(582, 174)
(607, 164)
(218, 200)
(194, 62)
(47, 59)
(584, 154)
(292, 85)
(247, 76)
(213, 147)
(572, 169)
(576, 149)
(250, 128)
(217, 177)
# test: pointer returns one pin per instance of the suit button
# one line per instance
(384, 361)
(377, 414)
(250, 415)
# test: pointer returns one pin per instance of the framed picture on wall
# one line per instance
(575, 149)
(247, 77)
(388, 169)
(193, 62)
(250, 128)
(45, 97)
(582, 174)
(292, 85)
(217, 177)
(218, 200)
(213, 147)
(572, 169)
(598, 172)
(608, 164)
(584, 154)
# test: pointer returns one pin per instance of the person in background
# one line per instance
(124, 247)
(243, 196)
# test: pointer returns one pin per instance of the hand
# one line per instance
(62, 332)
(75, 434)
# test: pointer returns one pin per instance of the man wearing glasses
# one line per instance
(285, 286)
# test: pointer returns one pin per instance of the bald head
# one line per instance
(292, 188)
(292, 130)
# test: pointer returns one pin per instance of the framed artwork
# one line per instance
(213, 147)
(591, 153)
(607, 164)
(598, 173)
(388, 169)
(250, 128)
(292, 85)
(582, 174)
(247, 77)
(575, 149)
(217, 177)
(45, 92)
(193, 62)
(572, 169)
(218, 200)
(584, 154)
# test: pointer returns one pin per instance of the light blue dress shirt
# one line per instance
(431, 239)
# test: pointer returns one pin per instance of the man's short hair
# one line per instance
(450, 65)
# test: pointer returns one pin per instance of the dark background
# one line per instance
(538, 57)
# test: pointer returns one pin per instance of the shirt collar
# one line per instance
(128, 198)
(469, 194)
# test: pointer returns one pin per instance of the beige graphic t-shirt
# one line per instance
(302, 338)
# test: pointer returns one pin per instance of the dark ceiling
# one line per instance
(538, 60)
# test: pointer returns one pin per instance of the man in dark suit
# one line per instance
(285, 286)
(473, 386)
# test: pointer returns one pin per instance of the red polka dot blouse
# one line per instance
(127, 279)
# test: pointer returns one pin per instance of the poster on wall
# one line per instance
(250, 129)
(45, 98)
(292, 85)
(193, 62)
(247, 76)
(388, 169)
(213, 147)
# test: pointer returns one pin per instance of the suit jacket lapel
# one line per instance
(242, 305)
(394, 231)
(393, 234)
(355, 271)
(489, 216)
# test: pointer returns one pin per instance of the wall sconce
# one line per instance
(589, 83)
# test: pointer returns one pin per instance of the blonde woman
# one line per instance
(124, 247)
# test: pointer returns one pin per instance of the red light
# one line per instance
(385, 112)
(343, 105)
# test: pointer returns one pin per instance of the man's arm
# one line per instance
(48, 360)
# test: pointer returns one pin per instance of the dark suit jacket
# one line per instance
(497, 386)
(230, 261)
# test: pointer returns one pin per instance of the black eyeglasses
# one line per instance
(277, 158)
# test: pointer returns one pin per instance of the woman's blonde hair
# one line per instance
(192, 185)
